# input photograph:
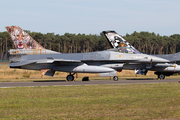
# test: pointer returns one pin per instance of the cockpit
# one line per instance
(128, 50)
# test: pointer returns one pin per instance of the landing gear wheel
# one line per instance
(115, 78)
(70, 78)
(161, 76)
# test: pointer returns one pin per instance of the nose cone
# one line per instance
(158, 59)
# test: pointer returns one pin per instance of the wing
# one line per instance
(41, 61)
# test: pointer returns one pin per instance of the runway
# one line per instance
(93, 82)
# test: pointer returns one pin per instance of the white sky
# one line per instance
(92, 16)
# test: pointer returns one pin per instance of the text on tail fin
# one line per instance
(115, 40)
(21, 39)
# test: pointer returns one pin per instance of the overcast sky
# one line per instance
(92, 16)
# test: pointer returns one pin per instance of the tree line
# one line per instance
(146, 42)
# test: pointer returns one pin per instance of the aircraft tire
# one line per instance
(161, 76)
(115, 78)
(70, 78)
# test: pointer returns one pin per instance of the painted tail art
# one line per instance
(115, 40)
(24, 43)
(21, 39)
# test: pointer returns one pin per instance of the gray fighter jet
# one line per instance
(30, 55)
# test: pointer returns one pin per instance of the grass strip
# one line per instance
(130, 101)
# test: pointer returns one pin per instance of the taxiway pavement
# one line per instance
(92, 82)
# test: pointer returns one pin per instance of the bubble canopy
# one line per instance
(128, 50)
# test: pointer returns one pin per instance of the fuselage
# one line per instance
(109, 58)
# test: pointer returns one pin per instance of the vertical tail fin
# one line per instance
(115, 40)
(21, 39)
(24, 43)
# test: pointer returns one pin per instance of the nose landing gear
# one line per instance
(161, 76)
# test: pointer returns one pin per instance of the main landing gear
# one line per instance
(70, 77)
(161, 76)
(115, 78)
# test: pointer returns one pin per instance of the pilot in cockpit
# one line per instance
(128, 50)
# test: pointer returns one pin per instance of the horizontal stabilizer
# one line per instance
(18, 64)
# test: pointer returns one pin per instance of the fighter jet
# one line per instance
(32, 56)
(161, 69)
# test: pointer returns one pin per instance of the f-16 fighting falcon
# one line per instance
(32, 56)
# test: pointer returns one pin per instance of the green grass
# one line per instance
(125, 102)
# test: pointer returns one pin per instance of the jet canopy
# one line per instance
(128, 50)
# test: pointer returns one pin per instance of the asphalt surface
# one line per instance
(93, 82)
